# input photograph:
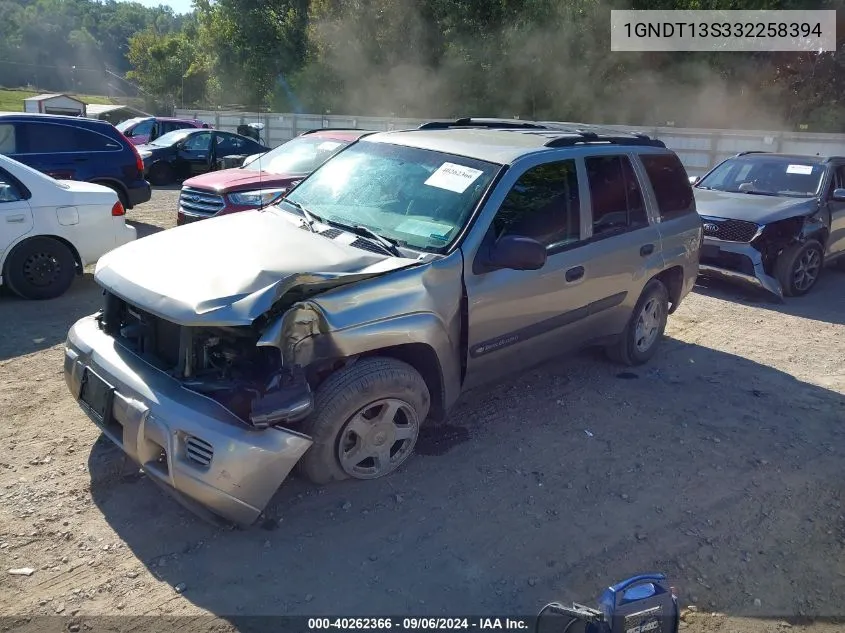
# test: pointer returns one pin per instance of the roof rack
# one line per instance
(334, 129)
(483, 123)
(582, 137)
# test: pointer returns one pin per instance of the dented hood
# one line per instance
(231, 269)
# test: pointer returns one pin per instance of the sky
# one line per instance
(178, 6)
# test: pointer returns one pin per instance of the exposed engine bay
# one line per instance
(223, 363)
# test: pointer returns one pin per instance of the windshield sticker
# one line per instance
(453, 177)
(426, 229)
(328, 146)
(800, 169)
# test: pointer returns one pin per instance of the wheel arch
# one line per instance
(673, 279)
(423, 358)
(80, 265)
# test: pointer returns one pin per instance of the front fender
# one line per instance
(304, 338)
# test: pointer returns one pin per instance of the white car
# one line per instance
(51, 229)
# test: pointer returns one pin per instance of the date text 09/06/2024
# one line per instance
(418, 624)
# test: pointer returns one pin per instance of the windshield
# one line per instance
(766, 175)
(166, 140)
(419, 198)
(302, 155)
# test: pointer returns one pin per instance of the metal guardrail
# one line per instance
(698, 149)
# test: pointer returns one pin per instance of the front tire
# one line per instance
(645, 327)
(40, 268)
(798, 268)
(366, 421)
(161, 174)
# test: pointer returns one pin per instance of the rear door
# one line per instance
(49, 148)
(667, 185)
(230, 145)
(15, 213)
(624, 239)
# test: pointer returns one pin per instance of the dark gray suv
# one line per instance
(405, 270)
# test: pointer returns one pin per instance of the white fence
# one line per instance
(698, 149)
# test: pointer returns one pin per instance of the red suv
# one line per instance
(264, 180)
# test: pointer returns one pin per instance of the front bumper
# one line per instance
(189, 444)
(737, 262)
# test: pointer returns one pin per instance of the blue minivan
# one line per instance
(76, 148)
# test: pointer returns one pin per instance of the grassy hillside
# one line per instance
(12, 100)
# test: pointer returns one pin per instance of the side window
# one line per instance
(89, 141)
(198, 142)
(232, 144)
(48, 138)
(838, 180)
(8, 189)
(143, 129)
(544, 205)
(617, 199)
(7, 139)
(670, 183)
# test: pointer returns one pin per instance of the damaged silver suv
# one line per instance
(413, 265)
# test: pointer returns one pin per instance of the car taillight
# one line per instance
(117, 210)
(139, 162)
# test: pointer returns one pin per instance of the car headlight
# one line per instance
(258, 198)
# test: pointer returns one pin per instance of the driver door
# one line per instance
(195, 154)
(518, 318)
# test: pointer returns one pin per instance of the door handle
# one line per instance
(574, 274)
(15, 219)
(80, 159)
(647, 250)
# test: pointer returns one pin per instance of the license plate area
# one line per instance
(98, 396)
(710, 251)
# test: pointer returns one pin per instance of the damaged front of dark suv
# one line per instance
(770, 220)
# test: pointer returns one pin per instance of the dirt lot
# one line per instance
(720, 464)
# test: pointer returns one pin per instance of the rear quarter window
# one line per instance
(7, 139)
(670, 183)
(90, 141)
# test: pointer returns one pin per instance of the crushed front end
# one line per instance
(738, 250)
(200, 409)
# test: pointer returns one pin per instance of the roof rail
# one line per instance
(483, 123)
(583, 137)
(333, 129)
(752, 151)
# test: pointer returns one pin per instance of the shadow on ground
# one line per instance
(825, 302)
(42, 324)
(723, 473)
(143, 229)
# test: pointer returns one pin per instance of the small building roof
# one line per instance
(96, 109)
(44, 97)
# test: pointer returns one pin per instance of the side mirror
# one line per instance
(693, 180)
(839, 195)
(517, 253)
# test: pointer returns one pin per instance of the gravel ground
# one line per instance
(719, 463)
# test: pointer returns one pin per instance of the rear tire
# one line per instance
(161, 174)
(370, 411)
(40, 268)
(798, 268)
(645, 327)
